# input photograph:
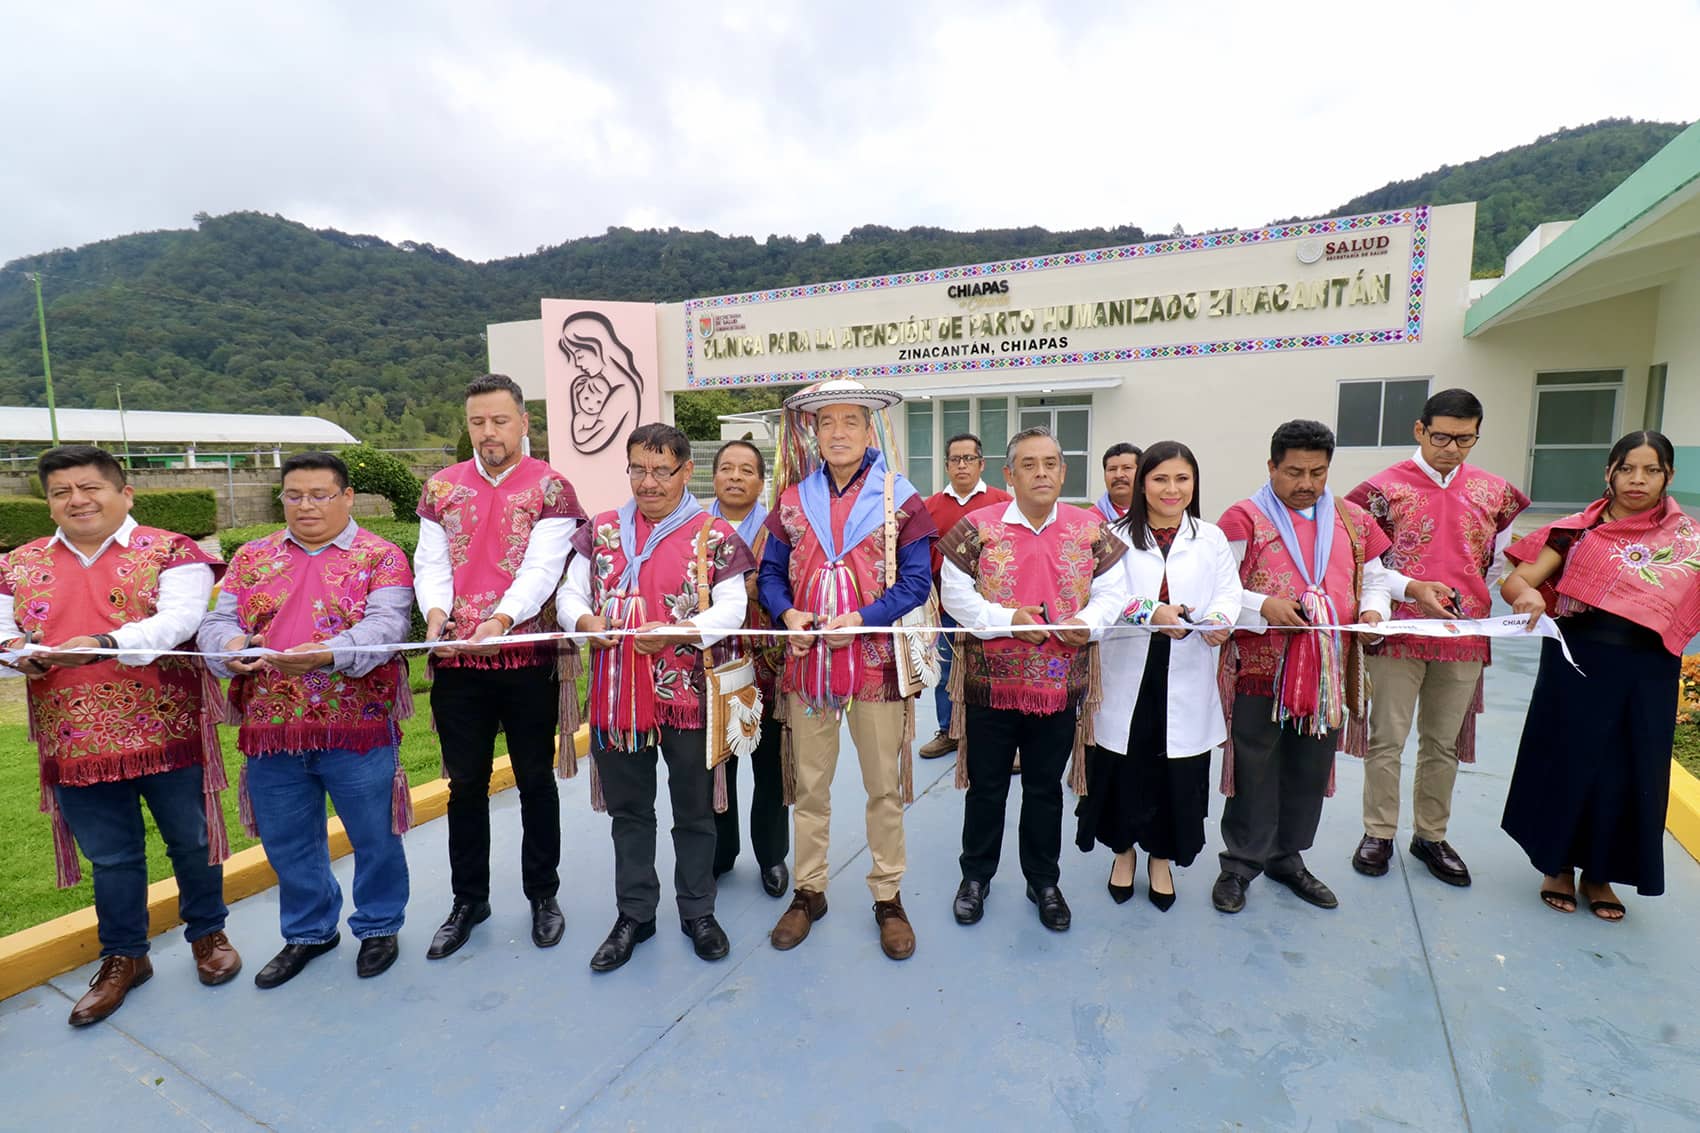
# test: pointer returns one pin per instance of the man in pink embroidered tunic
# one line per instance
(115, 730)
(1306, 558)
(494, 534)
(1449, 522)
(317, 718)
(636, 568)
(824, 569)
(1030, 562)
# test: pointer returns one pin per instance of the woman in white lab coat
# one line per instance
(1149, 772)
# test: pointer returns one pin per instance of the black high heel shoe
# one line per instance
(1118, 893)
(1162, 900)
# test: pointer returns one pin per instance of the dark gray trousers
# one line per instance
(1279, 778)
(628, 787)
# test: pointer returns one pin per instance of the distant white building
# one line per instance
(255, 432)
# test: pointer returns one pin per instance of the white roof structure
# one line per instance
(143, 427)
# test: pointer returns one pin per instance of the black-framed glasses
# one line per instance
(317, 499)
(1462, 440)
(964, 460)
(638, 475)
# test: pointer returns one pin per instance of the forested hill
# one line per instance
(1558, 176)
(254, 313)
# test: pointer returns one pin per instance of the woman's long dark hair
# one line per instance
(1136, 524)
(1628, 443)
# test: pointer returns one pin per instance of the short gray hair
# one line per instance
(1027, 435)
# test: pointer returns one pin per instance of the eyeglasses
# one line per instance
(317, 499)
(1462, 440)
(638, 475)
(963, 460)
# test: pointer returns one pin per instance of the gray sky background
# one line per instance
(493, 128)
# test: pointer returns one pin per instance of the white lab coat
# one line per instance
(1203, 575)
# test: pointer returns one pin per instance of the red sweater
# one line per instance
(946, 513)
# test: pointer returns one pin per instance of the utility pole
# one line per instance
(123, 430)
(46, 366)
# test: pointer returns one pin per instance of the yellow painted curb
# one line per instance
(37, 954)
(1683, 817)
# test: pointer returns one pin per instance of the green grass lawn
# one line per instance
(26, 837)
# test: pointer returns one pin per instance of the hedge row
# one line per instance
(191, 511)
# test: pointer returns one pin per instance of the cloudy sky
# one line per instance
(492, 128)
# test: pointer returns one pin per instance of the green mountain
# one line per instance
(254, 313)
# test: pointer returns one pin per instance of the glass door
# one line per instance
(1576, 421)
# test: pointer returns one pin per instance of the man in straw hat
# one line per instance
(824, 568)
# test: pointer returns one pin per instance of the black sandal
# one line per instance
(1598, 907)
(1552, 897)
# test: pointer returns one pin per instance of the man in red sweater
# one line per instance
(964, 493)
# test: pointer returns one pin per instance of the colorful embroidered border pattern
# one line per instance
(1411, 331)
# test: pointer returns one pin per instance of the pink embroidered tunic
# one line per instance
(1441, 535)
(488, 527)
(106, 721)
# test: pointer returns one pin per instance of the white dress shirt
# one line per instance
(965, 603)
(539, 570)
(962, 501)
(728, 602)
(184, 591)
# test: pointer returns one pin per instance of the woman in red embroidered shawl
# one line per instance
(1592, 779)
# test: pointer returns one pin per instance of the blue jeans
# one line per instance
(106, 820)
(941, 691)
(288, 791)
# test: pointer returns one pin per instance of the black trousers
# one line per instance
(770, 825)
(470, 706)
(1279, 778)
(994, 735)
(628, 787)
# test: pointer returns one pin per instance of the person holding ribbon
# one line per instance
(1449, 522)
(636, 569)
(740, 471)
(1026, 563)
(317, 719)
(1148, 773)
(824, 569)
(1121, 464)
(117, 728)
(1592, 780)
(494, 534)
(1306, 560)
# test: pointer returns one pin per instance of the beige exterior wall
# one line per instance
(1676, 343)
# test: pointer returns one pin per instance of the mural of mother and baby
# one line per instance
(607, 390)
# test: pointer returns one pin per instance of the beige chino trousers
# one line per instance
(876, 728)
(1437, 694)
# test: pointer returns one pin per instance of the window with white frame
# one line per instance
(1379, 412)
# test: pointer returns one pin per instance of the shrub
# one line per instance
(1688, 692)
(23, 518)
(187, 511)
(382, 474)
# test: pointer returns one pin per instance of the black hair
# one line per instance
(496, 383)
(79, 456)
(1136, 523)
(656, 437)
(1309, 436)
(1459, 403)
(316, 461)
(1121, 448)
(1627, 444)
(761, 461)
(979, 449)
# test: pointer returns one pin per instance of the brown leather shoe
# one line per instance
(940, 744)
(215, 960)
(807, 907)
(109, 986)
(1442, 860)
(897, 939)
(1372, 855)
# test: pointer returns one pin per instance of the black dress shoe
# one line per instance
(707, 937)
(1308, 887)
(1442, 861)
(457, 928)
(1372, 855)
(1228, 894)
(287, 964)
(626, 935)
(1163, 901)
(377, 953)
(1118, 893)
(970, 903)
(547, 923)
(775, 880)
(1053, 910)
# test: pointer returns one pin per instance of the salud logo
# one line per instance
(705, 324)
(1309, 251)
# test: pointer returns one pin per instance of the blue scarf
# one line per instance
(867, 514)
(1107, 508)
(748, 526)
(1267, 502)
(687, 510)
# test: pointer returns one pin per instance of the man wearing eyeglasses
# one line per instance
(1449, 522)
(964, 492)
(640, 567)
(494, 534)
(317, 719)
